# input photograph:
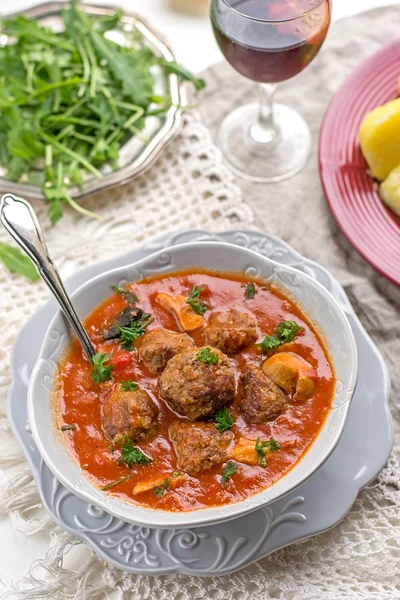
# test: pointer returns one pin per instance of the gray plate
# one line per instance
(318, 504)
(136, 155)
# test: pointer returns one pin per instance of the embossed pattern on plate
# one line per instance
(316, 505)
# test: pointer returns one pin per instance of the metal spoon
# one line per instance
(19, 218)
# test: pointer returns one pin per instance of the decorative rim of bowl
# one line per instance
(161, 519)
(151, 151)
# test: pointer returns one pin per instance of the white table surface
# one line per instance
(192, 39)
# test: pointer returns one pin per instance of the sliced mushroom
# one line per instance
(188, 319)
(292, 374)
(150, 484)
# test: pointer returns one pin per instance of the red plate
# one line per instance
(373, 229)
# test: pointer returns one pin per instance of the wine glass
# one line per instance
(268, 41)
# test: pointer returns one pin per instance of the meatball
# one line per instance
(196, 389)
(260, 398)
(132, 414)
(231, 331)
(199, 446)
(159, 345)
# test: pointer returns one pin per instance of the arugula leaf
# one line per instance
(223, 420)
(263, 447)
(131, 455)
(129, 296)
(16, 262)
(194, 300)
(159, 490)
(135, 330)
(227, 472)
(206, 356)
(136, 82)
(70, 100)
(101, 372)
(250, 291)
(23, 143)
(286, 331)
(183, 74)
(109, 22)
(129, 386)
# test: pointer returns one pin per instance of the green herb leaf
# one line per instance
(206, 356)
(159, 490)
(176, 474)
(194, 300)
(263, 447)
(223, 420)
(269, 343)
(130, 455)
(129, 296)
(67, 427)
(117, 482)
(250, 291)
(135, 330)
(16, 262)
(129, 386)
(183, 74)
(73, 98)
(101, 372)
(227, 472)
(286, 331)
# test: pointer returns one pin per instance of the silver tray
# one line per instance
(315, 506)
(136, 155)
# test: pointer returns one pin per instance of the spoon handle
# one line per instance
(19, 218)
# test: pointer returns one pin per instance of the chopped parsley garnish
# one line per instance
(206, 356)
(67, 427)
(223, 420)
(176, 474)
(284, 332)
(117, 482)
(134, 330)
(159, 490)
(129, 386)
(250, 291)
(194, 300)
(130, 455)
(263, 447)
(227, 472)
(101, 372)
(269, 343)
(129, 296)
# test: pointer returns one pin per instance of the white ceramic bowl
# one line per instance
(319, 305)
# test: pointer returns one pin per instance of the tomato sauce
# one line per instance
(79, 399)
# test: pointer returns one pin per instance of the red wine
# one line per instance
(257, 41)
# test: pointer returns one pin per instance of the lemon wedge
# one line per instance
(390, 190)
(379, 138)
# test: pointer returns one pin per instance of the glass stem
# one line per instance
(265, 130)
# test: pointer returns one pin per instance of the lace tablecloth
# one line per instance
(189, 187)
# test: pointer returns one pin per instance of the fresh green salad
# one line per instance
(70, 100)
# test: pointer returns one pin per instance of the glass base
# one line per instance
(259, 155)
